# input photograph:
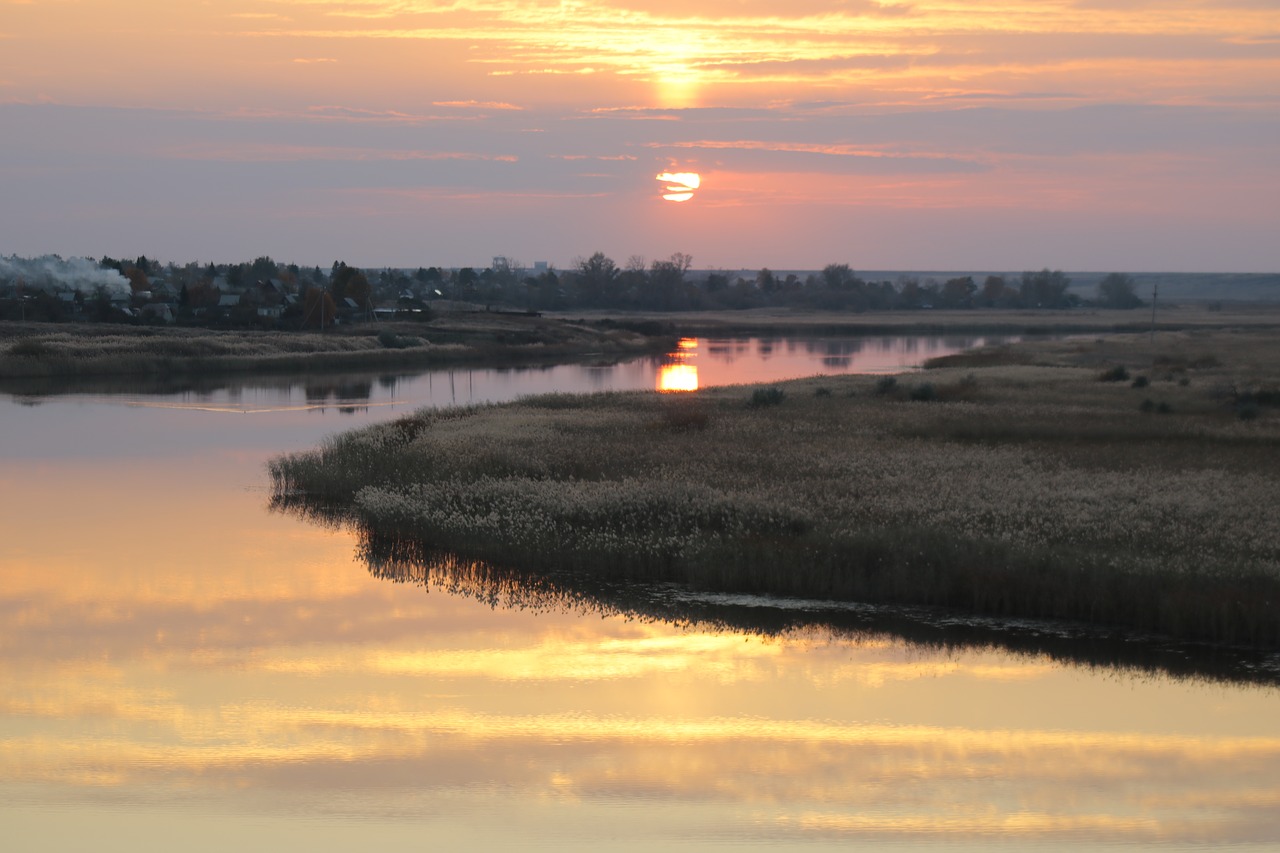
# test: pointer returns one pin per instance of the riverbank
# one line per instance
(988, 321)
(464, 334)
(42, 350)
(1114, 481)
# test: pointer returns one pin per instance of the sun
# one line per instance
(679, 186)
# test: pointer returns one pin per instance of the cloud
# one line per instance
(814, 155)
(477, 105)
(280, 153)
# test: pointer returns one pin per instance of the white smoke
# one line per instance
(52, 273)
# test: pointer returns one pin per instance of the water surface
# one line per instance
(180, 662)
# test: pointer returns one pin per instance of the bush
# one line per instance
(924, 393)
(1248, 410)
(30, 348)
(1115, 374)
(1147, 405)
(885, 384)
(390, 340)
(1141, 382)
(766, 397)
(822, 391)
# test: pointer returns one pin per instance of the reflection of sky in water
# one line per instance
(178, 662)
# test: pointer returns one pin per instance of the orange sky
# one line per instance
(944, 134)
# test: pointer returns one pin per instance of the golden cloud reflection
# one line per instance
(267, 666)
(817, 771)
(680, 373)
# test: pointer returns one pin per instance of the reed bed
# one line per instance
(1015, 489)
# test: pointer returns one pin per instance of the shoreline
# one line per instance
(35, 352)
(39, 351)
(1010, 482)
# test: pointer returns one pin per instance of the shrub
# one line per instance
(1184, 381)
(1147, 405)
(822, 391)
(390, 340)
(1164, 409)
(1141, 382)
(924, 393)
(1248, 410)
(30, 348)
(885, 384)
(766, 397)
(1115, 374)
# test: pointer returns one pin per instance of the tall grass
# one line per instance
(1019, 491)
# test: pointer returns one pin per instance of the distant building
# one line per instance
(161, 311)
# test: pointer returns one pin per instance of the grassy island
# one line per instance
(1116, 481)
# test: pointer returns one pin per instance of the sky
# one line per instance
(1109, 135)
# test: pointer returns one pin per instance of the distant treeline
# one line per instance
(267, 293)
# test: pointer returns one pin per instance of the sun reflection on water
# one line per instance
(679, 373)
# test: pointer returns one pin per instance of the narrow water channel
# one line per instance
(182, 665)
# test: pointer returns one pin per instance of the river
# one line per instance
(184, 667)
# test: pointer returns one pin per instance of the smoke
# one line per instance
(52, 273)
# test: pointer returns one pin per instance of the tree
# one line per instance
(910, 294)
(716, 282)
(595, 279)
(1044, 289)
(138, 280)
(263, 269)
(666, 281)
(958, 292)
(839, 277)
(349, 283)
(766, 281)
(1118, 290)
(318, 308)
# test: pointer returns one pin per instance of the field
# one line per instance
(1122, 481)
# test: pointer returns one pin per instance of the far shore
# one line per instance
(471, 335)
(90, 351)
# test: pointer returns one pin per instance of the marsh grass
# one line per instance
(772, 396)
(1027, 490)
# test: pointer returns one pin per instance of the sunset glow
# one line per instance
(929, 135)
(679, 186)
(680, 373)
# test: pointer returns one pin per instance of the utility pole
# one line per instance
(1155, 289)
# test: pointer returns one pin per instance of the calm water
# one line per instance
(182, 667)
